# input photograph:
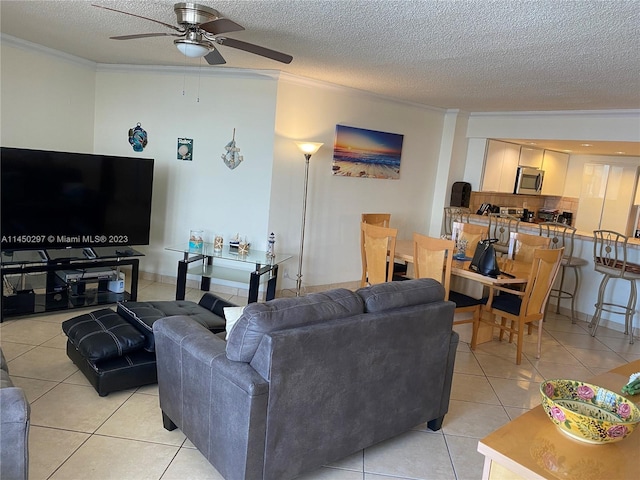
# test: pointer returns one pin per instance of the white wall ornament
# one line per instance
(232, 157)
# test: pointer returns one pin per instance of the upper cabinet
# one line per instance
(500, 167)
(531, 157)
(554, 165)
(606, 197)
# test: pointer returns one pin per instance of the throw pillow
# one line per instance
(232, 315)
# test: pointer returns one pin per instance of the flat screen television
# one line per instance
(60, 200)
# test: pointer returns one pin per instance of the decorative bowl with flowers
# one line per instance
(587, 412)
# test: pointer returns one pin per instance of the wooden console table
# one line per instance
(532, 447)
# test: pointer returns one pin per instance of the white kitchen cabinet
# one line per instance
(500, 167)
(531, 157)
(606, 197)
(554, 165)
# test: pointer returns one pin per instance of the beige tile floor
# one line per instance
(75, 434)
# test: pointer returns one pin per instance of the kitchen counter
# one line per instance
(532, 228)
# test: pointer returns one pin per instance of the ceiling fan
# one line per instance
(199, 30)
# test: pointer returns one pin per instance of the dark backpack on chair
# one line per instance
(484, 259)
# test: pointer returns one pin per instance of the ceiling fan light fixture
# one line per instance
(191, 48)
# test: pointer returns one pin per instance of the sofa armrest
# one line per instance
(215, 304)
(196, 382)
(436, 424)
(14, 436)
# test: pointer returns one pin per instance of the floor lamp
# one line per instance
(308, 149)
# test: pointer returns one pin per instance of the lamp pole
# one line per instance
(308, 149)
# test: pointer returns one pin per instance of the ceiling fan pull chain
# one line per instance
(199, 76)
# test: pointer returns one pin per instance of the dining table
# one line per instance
(463, 279)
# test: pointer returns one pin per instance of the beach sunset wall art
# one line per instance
(366, 153)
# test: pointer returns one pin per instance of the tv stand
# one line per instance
(38, 281)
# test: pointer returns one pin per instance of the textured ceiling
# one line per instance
(472, 55)
(503, 55)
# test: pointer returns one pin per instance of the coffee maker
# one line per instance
(528, 215)
(566, 217)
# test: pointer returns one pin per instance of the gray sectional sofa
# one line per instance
(14, 427)
(303, 382)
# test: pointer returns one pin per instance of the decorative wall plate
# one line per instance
(137, 138)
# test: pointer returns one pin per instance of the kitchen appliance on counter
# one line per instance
(460, 194)
(529, 181)
(547, 215)
(566, 218)
(528, 215)
(487, 208)
(512, 211)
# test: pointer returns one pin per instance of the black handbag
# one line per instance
(484, 259)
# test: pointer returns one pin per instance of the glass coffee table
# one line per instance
(227, 264)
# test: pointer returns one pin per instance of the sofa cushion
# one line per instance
(102, 334)
(390, 295)
(143, 314)
(260, 319)
(232, 315)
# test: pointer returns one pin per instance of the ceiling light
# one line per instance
(586, 144)
(620, 153)
(193, 49)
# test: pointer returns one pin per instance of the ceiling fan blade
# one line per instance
(138, 16)
(256, 49)
(145, 35)
(214, 58)
(221, 25)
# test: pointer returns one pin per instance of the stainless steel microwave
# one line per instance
(529, 181)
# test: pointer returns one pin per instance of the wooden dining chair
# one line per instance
(432, 258)
(515, 309)
(383, 220)
(379, 219)
(521, 248)
(471, 233)
(378, 244)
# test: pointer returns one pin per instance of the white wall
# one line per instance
(310, 111)
(204, 105)
(47, 98)
(87, 108)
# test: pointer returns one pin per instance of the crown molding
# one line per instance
(336, 88)
(36, 47)
(190, 70)
(562, 113)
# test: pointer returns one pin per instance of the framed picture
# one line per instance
(366, 153)
(185, 149)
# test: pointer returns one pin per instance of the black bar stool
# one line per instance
(610, 259)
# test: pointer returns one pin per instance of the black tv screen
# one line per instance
(60, 200)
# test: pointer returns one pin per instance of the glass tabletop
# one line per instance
(230, 253)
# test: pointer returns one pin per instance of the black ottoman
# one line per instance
(109, 351)
(115, 350)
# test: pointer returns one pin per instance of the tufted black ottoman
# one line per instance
(115, 350)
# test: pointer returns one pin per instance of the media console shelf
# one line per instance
(37, 281)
